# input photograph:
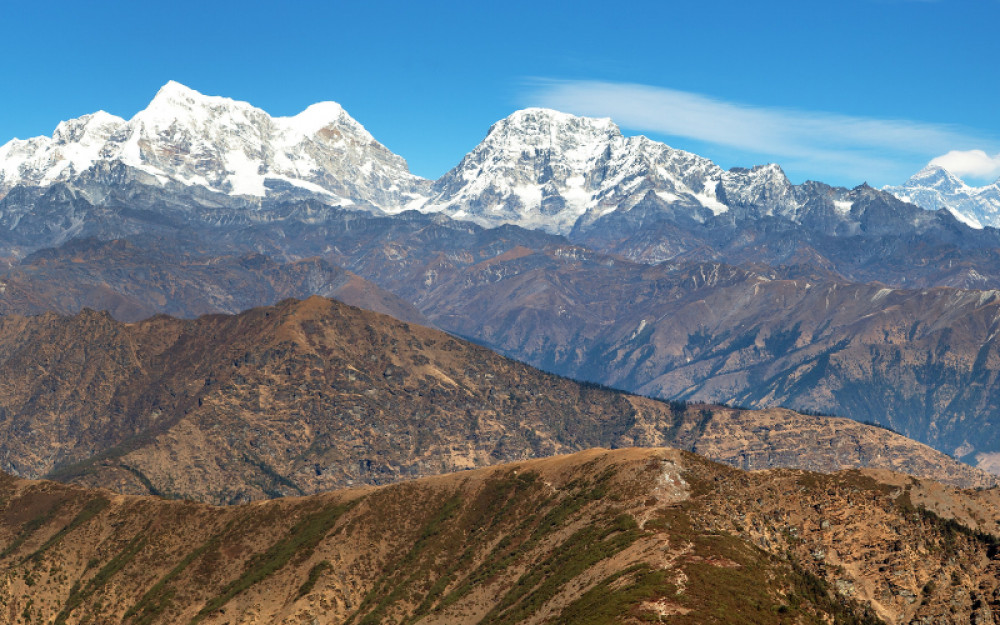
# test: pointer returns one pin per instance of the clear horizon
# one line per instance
(867, 91)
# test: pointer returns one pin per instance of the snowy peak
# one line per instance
(223, 145)
(935, 188)
(92, 128)
(74, 146)
(174, 103)
(937, 177)
(540, 128)
(317, 117)
(540, 168)
(764, 186)
(173, 91)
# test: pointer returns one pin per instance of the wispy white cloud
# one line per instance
(972, 163)
(816, 143)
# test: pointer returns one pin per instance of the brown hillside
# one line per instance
(313, 395)
(598, 537)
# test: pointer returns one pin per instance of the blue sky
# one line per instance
(845, 92)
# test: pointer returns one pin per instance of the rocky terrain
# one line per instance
(918, 360)
(921, 361)
(311, 395)
(774, 294)
(597, 537)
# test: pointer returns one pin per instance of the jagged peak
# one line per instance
(932, 171)
(768, 169)
(318, 116)
(543, 121)
(99, 124)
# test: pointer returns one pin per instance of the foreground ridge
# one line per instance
(595, 537)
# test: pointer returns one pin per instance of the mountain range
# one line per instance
(557, 240)
(207, 160)
(934, 187)
(179, 341)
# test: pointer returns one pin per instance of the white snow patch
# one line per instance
(880, 294)
(709, 200)
(968, 220)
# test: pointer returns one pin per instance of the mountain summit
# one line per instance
(544, 169)
(224, 146)
(934, 188)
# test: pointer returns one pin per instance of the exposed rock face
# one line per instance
(308, 396)
(599, 536)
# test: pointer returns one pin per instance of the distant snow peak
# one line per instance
(539, 126)
(935, 188)
(544, 169)
(316, 117)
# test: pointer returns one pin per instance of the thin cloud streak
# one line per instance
(858, 147)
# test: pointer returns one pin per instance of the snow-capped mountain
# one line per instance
(934, 188)
(224, 146)
(543, 169)
(195, 160)
(537, 168)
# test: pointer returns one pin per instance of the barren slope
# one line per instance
(597, 537)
